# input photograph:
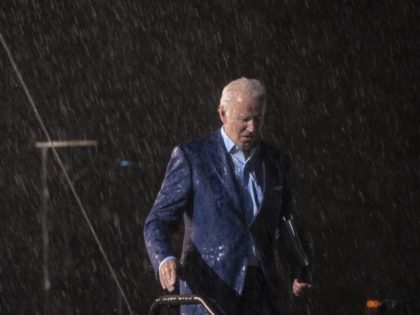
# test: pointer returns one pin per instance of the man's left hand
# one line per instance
(300, 288)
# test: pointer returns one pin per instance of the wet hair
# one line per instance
(243, 86)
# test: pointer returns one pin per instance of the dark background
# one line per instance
(142, 76)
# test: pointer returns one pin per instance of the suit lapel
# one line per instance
(224, 167)
(270, 178)
(270, 170)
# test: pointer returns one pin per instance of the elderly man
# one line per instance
(233, 192)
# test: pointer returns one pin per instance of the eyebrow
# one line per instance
(250, 116)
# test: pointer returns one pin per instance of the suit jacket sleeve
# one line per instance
(169, 206)
(289, 193)
(289, 210)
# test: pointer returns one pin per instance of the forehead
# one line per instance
(244, 103)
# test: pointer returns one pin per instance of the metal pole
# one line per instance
(45, 195)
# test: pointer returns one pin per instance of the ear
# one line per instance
(222, 113)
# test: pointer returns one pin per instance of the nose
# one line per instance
(252, 126)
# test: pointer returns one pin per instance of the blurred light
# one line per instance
(124, 163)
(373, 303)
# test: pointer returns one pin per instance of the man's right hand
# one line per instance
(168, 274)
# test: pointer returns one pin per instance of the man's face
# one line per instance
(243, 121)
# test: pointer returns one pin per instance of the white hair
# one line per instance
(235, 90)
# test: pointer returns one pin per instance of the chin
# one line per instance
(247, 146)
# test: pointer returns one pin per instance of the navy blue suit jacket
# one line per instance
(200, 186)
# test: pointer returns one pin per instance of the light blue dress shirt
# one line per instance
(250, 177)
